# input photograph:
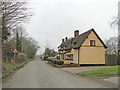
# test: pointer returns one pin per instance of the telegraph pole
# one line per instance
(118, 61)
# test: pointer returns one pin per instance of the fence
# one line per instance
(111, 60)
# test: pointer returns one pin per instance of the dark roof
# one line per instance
(76, 42)
(80, 39)
(67, 45)
(67, 51)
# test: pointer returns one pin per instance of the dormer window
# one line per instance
(92, 42)
(75, 43)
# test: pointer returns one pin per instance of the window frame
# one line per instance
(66, 57)
(71, 57)
(91, 42)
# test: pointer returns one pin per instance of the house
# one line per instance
(86, 48)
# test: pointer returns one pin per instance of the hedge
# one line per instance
(58, 62)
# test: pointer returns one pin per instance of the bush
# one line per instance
(72, 63)
(58, 62)
(21, 57)
(45, 58)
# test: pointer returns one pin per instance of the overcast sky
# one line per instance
(57, 19)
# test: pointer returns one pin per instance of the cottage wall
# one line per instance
(92, 54)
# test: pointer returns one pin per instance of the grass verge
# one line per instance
(8, 68)
(102, 73)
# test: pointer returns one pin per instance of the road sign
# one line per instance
(15, 50)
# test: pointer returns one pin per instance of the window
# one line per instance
(75, 43)
(69, 57)
(92, 42)
(65, 56)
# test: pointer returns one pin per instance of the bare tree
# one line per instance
(14, 13)
(116, 22)
(112, 45)
(30, 47)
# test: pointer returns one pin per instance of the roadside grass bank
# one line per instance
(8, 68)
(113, 71)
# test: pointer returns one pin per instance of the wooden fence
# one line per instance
(111, 60)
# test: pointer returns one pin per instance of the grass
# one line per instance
(8, 68)
(102, 73)
(43, 59)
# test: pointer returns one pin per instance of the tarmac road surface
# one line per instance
(38, 74)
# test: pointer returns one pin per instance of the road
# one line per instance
(38, 74)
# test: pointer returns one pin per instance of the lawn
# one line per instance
(102, 73)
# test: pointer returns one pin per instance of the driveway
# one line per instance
(38, 74)
(74, 70)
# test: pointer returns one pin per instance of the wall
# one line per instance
(92, 54)
(67, 61)
(61, 55)
(75, 55)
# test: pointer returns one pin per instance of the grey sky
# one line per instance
(56, 19)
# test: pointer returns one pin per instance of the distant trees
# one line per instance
(29, 47)
(49, 52)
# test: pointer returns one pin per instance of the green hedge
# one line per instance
(58, 62)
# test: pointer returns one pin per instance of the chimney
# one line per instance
(62, 40)
(66, 38)
(76, 33)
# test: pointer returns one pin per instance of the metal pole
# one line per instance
(14, 56)
(78, 55)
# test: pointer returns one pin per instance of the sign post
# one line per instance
(14, 51)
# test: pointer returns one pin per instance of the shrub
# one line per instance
(72, 63)
(21, 57)
(58, 62)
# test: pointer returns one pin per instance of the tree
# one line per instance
(30, 47)
(49, 52)
(112, 45)
(14, 13)
(116, 22)
(18, 42)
